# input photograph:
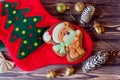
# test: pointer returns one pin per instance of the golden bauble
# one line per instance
(61, 7)
(51, 74)
(79, 7)
(69, 71)
(98, 28)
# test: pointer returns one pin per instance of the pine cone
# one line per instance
(95, 61)
(113, 56)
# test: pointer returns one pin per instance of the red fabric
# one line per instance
(43, 55)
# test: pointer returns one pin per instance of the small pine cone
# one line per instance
(95, 61)
(113, 56)
(87, 14)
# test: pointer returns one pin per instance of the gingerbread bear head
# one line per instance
(65, 32)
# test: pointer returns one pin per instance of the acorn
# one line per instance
(51, 74)
(69, 71)
(79, 7)
(98, 28)
(61, 7)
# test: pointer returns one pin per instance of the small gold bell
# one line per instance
(69, 71)
(61, 7)
(79, 7)
(98, 28)
(51, 74)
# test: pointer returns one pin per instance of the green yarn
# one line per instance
(24, 28)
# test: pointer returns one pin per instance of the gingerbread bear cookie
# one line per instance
(66, 41)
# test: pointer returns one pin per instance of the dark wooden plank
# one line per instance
(107, 14)
(105, 72)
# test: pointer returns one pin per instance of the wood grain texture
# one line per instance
(108, 15)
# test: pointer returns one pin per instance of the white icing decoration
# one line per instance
(78, 31)
(66, 37)
(56, 30)
(46, 37)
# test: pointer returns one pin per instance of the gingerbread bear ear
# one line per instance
(47, 37)
(66, 23)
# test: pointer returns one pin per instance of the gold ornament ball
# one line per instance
(98, 28)
(69, 71)
(61, 7)
(79, 7)
(51, 74)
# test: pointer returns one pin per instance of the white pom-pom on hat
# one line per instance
(46, 37)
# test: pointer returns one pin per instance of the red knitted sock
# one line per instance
(23, 23)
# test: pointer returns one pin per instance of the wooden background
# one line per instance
(108, 15)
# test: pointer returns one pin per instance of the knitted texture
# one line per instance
(27, 30)
(23, 23)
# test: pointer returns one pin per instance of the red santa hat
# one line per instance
(53, 33)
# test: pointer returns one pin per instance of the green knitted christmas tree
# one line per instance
(24, 28)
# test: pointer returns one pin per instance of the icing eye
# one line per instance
(67, 33)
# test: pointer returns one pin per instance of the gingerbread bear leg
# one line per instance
(79, 33)
(75, 55)
(80, 51)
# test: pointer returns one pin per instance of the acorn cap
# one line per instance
(79, 7)
(51, 74)
(69, 71)
(98, 28)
